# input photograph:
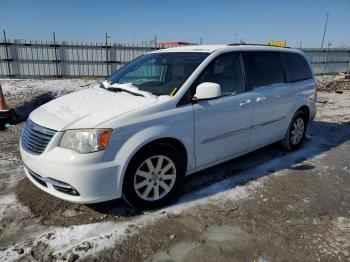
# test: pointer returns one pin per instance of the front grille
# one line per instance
(35, 138)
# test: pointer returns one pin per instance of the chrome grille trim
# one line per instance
(35, 138)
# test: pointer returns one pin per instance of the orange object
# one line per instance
(3, 106)
(105, 136)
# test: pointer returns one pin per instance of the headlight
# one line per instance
(86, 140)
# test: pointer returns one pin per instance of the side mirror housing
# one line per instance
(207, 90)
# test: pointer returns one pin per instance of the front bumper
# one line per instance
(94, 180)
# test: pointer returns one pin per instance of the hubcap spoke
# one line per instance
(143, 174)
(148, 190)
(156, 192)
(142, 184)
(170, 176)
(159, 163)
(150, 165)
(166, 168)
(164, 186)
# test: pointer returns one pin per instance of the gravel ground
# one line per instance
(269, 205)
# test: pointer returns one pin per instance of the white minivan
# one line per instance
(165, 115)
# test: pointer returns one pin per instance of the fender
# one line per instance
(138, 140)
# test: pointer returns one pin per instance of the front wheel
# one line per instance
(154, 177)
(296, 131)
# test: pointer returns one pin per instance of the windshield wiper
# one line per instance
(118, 89)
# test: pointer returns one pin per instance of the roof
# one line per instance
(193, 48)
(212, 48)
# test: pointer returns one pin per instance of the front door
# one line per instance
(222, 125)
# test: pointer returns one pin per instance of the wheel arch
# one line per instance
(132, 148)
(306, 110)
(171, 141)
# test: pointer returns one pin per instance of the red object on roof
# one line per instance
(176, 43)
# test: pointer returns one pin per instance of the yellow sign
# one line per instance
(277, 43)
(173, 92)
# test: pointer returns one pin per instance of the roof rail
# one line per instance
(237, 44)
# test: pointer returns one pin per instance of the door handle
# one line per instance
(243, 103)
(260, 98)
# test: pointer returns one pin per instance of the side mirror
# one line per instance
(207, 90)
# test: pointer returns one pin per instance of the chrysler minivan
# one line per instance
(165, 115)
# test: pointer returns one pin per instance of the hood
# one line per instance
(87, 109)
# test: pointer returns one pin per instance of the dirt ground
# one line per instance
(270, 205)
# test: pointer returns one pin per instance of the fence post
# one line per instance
(14, 55)
(113, 58)
(7, 59)
(56, 55)
(107, 66)
(63, 58)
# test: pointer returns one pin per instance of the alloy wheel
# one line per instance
(155, 178)
(297, 131)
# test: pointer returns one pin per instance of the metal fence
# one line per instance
(332, 61)
(22, 58)
(26, 58)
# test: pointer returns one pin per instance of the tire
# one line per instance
(146, 188)
(290, 142)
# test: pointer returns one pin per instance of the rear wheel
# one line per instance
(296, 131)
(154, 177)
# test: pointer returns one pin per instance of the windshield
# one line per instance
(158, 73)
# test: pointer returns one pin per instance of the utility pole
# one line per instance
(201, 41)
(325, 63)
(325, 29)
(155, 42)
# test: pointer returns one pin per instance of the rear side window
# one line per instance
(298, 68)
(263, 68)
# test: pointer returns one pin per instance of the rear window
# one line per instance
(263, 68)
(298, 68)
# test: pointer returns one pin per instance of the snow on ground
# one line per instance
(17, 87)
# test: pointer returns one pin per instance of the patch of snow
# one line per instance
(22, 86)
(11, 170)
(130, 87)
(73, 239)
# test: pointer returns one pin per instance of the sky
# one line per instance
(216, 22)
